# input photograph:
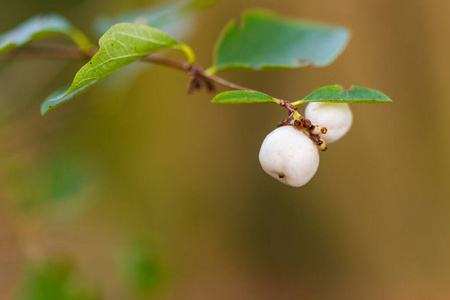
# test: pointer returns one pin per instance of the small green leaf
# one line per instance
(242, 97)
(158, 17)
(267, 41)
(39, 27)
(121, 45)
(335, 93)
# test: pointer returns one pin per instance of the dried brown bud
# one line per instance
(298, 124)
(194, 85)
(285, 122)
(210, 86)
(306, 123)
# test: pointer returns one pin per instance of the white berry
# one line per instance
(336, 117)
(288, 155)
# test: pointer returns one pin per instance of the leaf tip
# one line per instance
(45, 108)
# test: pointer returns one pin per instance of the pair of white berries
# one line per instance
(290, 156)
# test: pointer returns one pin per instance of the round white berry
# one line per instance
(336, 117)
(288, 155)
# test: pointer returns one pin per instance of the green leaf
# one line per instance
(268, 41)
(174, 18)
(335, 93)
(242, 97)
(42, 26)
(55, 279)
(158, 17)
(59, 96)
(121, 45)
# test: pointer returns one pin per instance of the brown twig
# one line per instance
(72, 53)
(199, 78)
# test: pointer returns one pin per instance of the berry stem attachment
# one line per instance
(291, 108)
(298, 122)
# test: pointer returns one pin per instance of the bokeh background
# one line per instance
(136, 190)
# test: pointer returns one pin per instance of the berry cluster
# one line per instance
(290, 152)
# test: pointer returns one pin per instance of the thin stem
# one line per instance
(298, 102)
(72, 53)
(195, 72)
(159, 60)
(226, 83)
(189, 53)
(46, 52)
(187, 67)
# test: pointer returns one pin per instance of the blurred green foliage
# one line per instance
(39, 27)
(143, 270)
(52, 181)
(161, 16)
(53, 280)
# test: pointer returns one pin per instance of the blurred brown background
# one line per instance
(372, 224)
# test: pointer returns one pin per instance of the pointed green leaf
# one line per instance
(267, 41)
(335, 93)
(158, 17)
(121, 45)
(242, 97)
(39, 27)
(56, 98)
(174, 18)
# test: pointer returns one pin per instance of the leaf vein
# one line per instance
(117, 58)
(141, 38)
(122, 44)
